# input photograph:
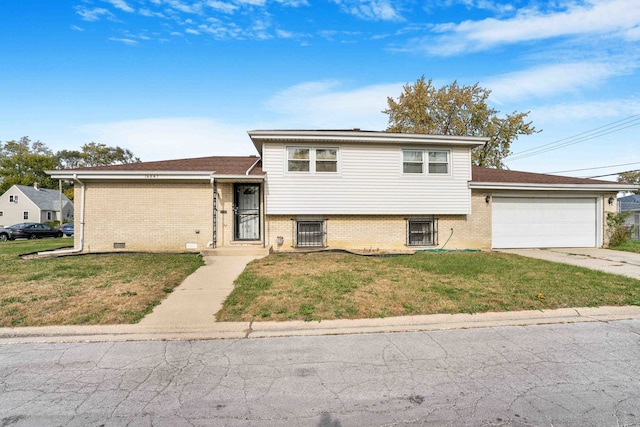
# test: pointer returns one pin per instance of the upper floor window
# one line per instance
(13, 199)
(298, 159)
(302, 159)
(25, 215)
(326, 160)
(438, 162)
(413, 162)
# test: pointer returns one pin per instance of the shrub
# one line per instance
(619, 231)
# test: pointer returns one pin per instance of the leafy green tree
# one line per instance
(94, 154)
(631, 177)
(457, 110)
(23, 162)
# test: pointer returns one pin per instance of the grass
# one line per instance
(87, 289)
(322, 286)
(630, 246)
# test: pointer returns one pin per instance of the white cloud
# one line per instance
(94, 14)
(370, 10)
(193, 7)
(222, 6)
(614, 17)
(294, 3)
(122, 5)
(324, 105)
(252, 2)
(130, 42)
(553, 79)
(172, 138)
(569, 113)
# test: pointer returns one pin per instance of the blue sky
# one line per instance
(186, 78)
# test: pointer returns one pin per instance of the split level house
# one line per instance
(343, 189)
(23, 203)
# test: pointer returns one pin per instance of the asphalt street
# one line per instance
(582, 374)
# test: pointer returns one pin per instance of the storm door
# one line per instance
(247, 212)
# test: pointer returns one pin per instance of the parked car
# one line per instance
(67, 229)
(4, 234)
(31, 230)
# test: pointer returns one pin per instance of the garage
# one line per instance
(539, 222)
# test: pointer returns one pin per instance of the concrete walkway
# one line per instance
(194, 303)
(609, 261)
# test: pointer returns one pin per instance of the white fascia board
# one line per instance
(145, 175)
(613, 188)
(341, 136)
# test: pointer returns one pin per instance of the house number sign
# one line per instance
(151, 176)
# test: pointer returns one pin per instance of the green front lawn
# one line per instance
(323, 286)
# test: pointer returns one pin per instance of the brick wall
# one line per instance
(146, 216)
(388, 232)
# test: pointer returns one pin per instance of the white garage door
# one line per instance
(543, 222)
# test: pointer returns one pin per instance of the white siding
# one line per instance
(369, 181)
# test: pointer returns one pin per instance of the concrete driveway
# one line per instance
(609, 261)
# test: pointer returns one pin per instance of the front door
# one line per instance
(247, 212)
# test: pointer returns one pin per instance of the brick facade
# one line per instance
(162, 216)
(178, 216)
(388, 232)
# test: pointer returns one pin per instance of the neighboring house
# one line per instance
(365, 191)
(631, 204)
(22, 203)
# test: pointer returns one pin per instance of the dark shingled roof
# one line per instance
(221, 165)
(480, 174)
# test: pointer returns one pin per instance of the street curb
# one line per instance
(242, 330)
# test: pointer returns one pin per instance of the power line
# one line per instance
(598, 167)
(611, 174)
(616, 126)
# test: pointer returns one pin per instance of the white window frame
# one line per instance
(406, 163)
(25, 215)
(313, 160)
(447, 163)
(425, 163)
(13, 198)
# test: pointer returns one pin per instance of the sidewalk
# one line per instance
(189, 314)
(240, 330)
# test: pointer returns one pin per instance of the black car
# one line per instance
(30, 230)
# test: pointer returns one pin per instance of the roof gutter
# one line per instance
(81, 247)
(614, 187)
(253, 166)
(149, 175)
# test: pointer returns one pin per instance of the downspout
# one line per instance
(60, 201)
(79, 249)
